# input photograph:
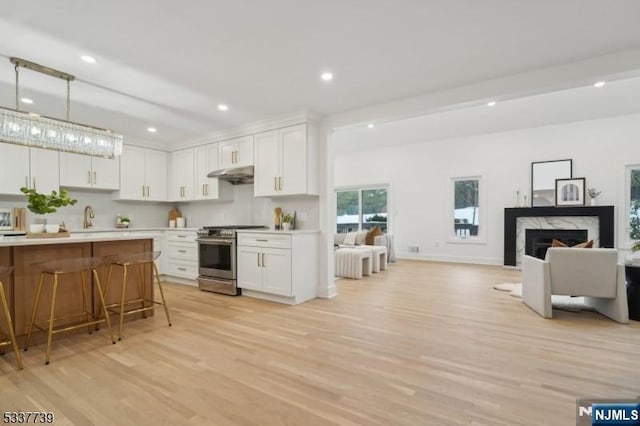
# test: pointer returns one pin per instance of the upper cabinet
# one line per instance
(143, 174)
(181, 177)
(206, 161)
(286, 162)
(236, 152)
(22, 166)
(84, 171)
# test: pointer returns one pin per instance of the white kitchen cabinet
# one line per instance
(181, 177)
(143, 174)
(31, 167)
(206, 161)
(278, 266)
(181, 259)
(236, 152)
(286, 162)
(85, 171)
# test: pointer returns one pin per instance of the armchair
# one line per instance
(593, 273)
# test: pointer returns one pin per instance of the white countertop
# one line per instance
(79, 237)
(131, 229)
(276, 231)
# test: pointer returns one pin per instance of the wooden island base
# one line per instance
(21, 286)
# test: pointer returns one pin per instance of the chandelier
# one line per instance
(23, 128)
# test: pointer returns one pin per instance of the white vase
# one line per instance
(286, 226)
(52, 229)
(594, 202)
(36, 228)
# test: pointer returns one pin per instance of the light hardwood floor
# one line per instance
(419, 344)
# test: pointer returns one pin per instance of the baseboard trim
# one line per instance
(493, 261)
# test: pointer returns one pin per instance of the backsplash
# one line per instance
(244, 210)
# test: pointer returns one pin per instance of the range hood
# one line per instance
(235, 175)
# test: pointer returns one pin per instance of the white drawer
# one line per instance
(182, 236)
(183, 269)
(264, 240)
(186, 251)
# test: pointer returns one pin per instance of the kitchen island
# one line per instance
(25, 254)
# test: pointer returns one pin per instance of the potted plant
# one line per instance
(287, 222)
(593, 194)
(124, 221)
(42, 204)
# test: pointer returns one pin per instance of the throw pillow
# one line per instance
(586, 244)
(371, 235)
(350, 238)
(361, 238)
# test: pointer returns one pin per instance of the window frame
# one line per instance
(359, 189)
(481, 238)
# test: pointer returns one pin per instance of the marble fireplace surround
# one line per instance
(598, 221)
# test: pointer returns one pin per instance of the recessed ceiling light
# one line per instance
(599, 84)
(371, 125)
(151, 129)
(492, 103)
(223, 107)
(326, 76)
(26, 100)
(88, 59)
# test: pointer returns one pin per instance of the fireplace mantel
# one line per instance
(605, 216)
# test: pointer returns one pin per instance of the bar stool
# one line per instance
(55, 269)
(4, 271)
(139, 261)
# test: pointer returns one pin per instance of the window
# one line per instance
(362, 208)
(634, 203)
(466, 200)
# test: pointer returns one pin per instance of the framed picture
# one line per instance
(570, 192)
(543, 180)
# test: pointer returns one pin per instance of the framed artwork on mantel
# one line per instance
(570, 192)
(543, 180)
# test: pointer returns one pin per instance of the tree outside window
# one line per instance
(466, 211)
(361, 209)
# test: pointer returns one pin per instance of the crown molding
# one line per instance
(249, 129)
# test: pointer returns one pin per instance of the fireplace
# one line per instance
(537, 241)
(599, 220)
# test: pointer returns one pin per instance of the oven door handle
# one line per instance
(214, 241)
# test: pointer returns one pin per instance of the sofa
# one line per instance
(385, 240)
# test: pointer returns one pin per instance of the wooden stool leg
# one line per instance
(34, 311)
(12, 335)
(1, 340)
(103, 306)
(141, 288)
(51, 317)
(164, 302)
(124, 287)
(85, 299)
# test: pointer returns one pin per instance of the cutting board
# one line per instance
(174, 214)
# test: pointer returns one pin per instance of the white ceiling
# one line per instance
(616, 98)
(168, 64)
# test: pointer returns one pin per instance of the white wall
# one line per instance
(419, 177)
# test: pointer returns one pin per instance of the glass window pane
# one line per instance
(374, 209)
(634, 223)
(466, 209)
(348, 211)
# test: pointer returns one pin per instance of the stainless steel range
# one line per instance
(217, 266)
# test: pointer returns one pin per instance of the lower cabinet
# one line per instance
(278, 266)
(265, 269)
(181, 259)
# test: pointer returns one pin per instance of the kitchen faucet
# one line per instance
(88, 215)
